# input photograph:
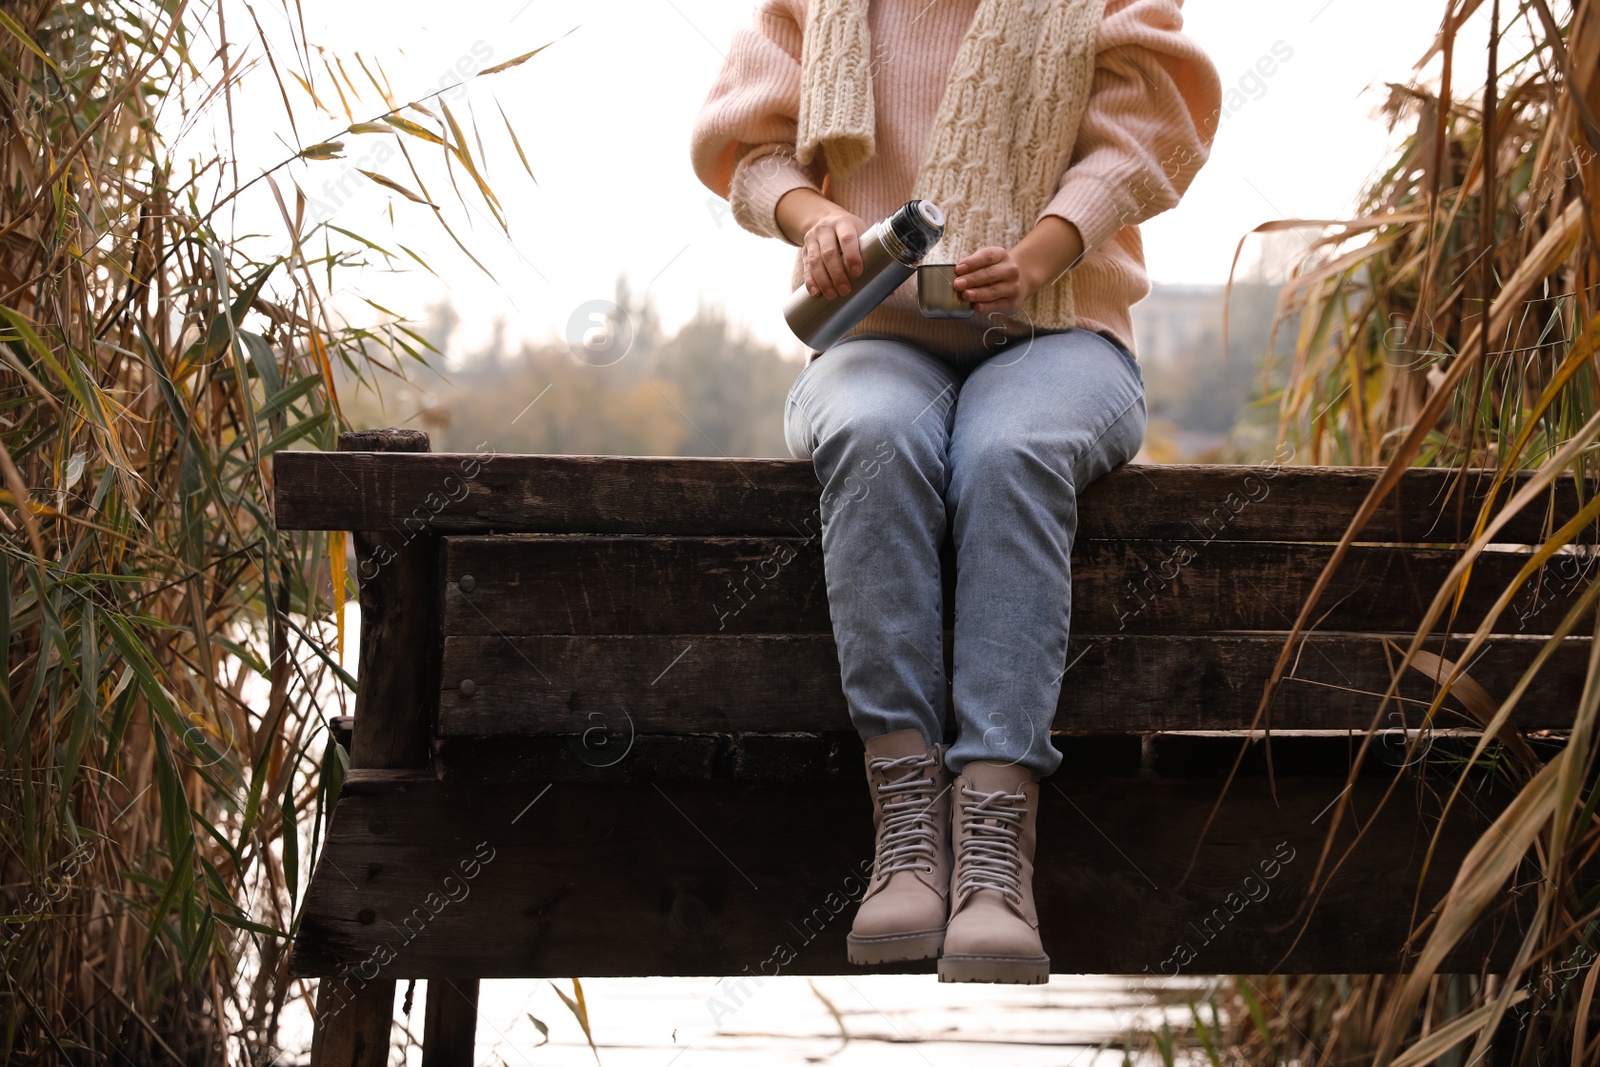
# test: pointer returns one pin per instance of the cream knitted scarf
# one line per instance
(1004, 132)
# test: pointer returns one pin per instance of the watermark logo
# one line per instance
(607, 740)
(599, 333)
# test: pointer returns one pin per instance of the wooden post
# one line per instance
(397, 695)
(450, 1023)
(397, 571)
(354, 1033)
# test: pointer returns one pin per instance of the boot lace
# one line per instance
(909, 836)
(990, 856)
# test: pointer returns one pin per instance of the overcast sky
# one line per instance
(604, 117)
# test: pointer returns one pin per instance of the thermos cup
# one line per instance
(890, 251)
(936, 293)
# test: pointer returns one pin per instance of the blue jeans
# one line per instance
(992, 448)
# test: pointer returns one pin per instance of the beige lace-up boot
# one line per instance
(903, 912)
(993, 934)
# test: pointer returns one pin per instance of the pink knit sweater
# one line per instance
(1150, 118)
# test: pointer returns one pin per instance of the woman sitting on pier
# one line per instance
(1046, 131)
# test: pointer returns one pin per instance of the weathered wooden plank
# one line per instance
(1442, 753)
(429, 879)
(399, 580)
(615, 687)
(632, 585)
(482, 492)
(799, 759)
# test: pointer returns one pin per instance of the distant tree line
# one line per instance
(708, 389)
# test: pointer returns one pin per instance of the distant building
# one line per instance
(1173, 321)
(1197, 393)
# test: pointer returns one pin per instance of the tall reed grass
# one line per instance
(1453, 323)
(169, 656)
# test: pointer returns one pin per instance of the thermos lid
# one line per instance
(919, 225)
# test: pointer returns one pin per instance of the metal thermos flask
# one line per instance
(890, 252)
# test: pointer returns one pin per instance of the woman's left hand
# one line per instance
(991, 280)
(1000, 279)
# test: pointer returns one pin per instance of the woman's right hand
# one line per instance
(833, 253)
(832, 240)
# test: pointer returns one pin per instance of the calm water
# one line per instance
(848, 1021)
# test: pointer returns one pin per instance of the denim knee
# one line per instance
(1017, 473)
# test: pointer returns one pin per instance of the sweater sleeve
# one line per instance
(743, 145)
(1148, 125)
